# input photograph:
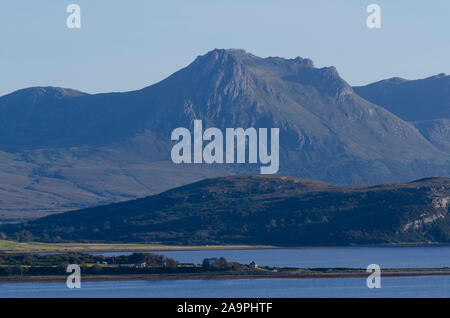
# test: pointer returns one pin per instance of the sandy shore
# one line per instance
(208, 276)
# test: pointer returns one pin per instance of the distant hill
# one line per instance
(273, 210)
(437, 131)
(61, 149)
(425, 103)
(411, 100)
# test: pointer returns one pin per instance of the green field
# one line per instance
(12, 246)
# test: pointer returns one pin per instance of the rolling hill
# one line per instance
(264, 210)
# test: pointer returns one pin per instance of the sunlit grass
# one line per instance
(12, 246)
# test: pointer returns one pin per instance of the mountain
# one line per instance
(437, 131)
(257, 209)
(411, 100)
(62, 149)
(425, 103)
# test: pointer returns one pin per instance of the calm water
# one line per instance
(433, 286)
(357, 257)
(386, 257)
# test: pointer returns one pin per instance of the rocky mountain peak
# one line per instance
(304, 61)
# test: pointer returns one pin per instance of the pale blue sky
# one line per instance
(126, 45)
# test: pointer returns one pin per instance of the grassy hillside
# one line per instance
(28, 247)
(260, 210)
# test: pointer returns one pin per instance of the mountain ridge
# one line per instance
(412, 100)
(115, 146)
(424, 102)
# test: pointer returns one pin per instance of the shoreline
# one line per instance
(39, 247)
(209, 276)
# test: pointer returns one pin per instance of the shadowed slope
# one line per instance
(261, 210)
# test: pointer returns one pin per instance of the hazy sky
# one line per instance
(126, 45)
